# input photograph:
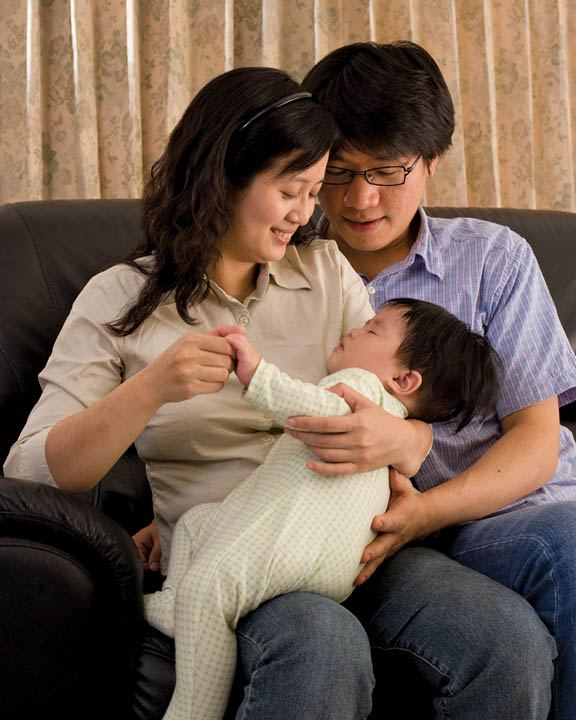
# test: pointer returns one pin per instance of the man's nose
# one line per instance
(360, 194)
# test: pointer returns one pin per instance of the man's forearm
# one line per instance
(521, 461)
(415, 441)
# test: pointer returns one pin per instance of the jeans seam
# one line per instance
(250, 640)
(441, 704)
(248, 691)
(420, 657)
(544, 549)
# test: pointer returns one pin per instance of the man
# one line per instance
(395, 116)
(446, 640)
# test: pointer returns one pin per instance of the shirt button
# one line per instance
(244, 320)
(267, 439)
(371, 290)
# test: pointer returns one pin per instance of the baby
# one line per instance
(286, 528)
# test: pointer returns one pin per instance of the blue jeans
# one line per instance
(446, 642)
(301, 657)
(532, 551)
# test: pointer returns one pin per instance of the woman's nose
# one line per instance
(302, 211)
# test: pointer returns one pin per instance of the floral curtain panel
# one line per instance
(90, 89)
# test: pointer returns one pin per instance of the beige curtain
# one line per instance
(89, 89)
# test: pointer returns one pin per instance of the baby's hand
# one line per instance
(248, 358)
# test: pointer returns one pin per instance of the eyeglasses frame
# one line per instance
(407, 171)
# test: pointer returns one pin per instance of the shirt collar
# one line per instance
(424, 246)
(288, 272)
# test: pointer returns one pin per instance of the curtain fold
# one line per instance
(90, 90)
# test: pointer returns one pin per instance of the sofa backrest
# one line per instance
(50, 249)
(552, 235)
(48, 252)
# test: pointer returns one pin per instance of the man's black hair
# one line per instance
(460, 369)
(386, 99)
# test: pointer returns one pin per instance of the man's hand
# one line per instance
(406, 519)
(148, 543)
(367, 439)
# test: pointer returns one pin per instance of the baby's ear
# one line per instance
(406, 383)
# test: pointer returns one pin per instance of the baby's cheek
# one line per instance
(334, 362)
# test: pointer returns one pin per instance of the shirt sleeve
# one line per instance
(524, 328)
(281, 396)
(85, 365)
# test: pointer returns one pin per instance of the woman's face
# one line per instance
(269, 211)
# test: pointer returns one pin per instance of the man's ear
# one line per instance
(406, 383)
(431, 166)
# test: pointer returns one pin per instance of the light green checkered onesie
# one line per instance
(282, 529)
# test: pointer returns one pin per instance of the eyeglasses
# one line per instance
(388, 175)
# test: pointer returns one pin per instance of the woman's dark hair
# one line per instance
(188, 202)
(459, 367)
(385, 98)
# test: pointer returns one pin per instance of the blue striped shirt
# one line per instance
(488, 276)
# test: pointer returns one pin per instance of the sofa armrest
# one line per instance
(124, 493)
(72, 621)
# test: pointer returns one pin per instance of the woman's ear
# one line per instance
(406, 383)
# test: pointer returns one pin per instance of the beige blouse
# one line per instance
(198, 450)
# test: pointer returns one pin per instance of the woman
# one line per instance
(143, 358)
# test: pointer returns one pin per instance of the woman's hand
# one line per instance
(196, 364)
(367, 439)
(82, 448)
(247, 358)
(405, 519)
(148, 543)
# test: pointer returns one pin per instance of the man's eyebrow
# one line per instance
(384, 160)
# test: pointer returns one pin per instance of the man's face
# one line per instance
(372, 218)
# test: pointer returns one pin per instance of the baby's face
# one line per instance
(372, 347)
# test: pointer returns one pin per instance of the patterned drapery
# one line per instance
(89, 89)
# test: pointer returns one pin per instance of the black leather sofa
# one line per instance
(73, 643)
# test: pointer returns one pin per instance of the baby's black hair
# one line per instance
(459, 367)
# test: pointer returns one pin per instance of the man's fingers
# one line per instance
(368, 570)
(355, 399)
(317, 439)
(382, 547)
(333, 455)
(331, 469)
